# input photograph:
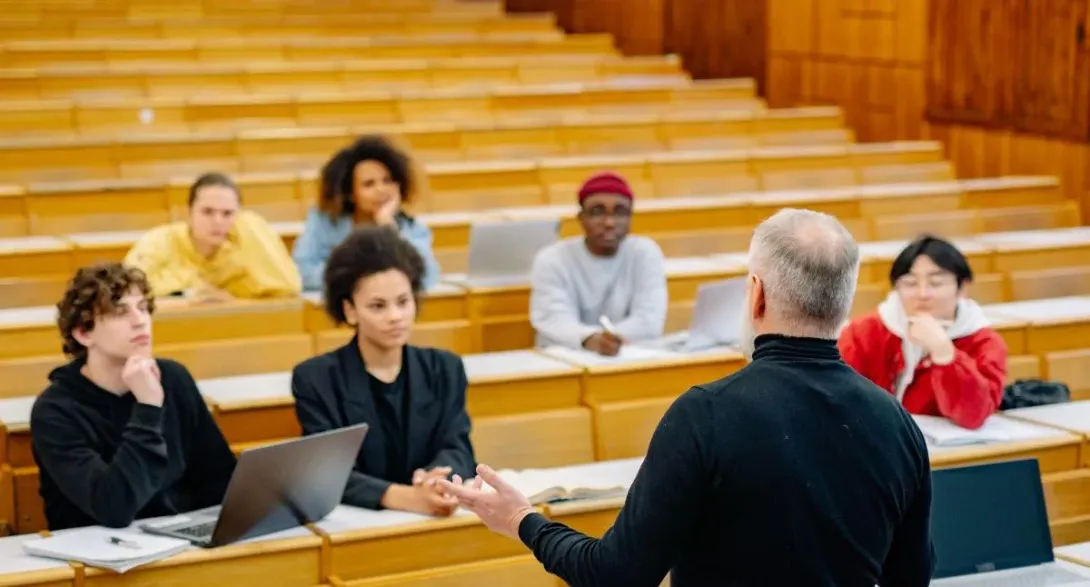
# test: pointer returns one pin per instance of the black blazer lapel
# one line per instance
(359, 408)
(422, 417)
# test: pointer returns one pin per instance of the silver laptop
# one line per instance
(990, 528)
(502, 253)
(273, 488)
(716, 320)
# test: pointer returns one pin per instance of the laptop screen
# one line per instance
(989, 518)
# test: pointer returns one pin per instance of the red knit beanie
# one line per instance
(605, 182)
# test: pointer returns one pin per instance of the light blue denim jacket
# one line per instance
(320, 235)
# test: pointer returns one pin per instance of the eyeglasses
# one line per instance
(914, 286)
(618, 214)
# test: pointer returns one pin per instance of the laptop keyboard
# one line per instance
(1036, 578)
(203, 530)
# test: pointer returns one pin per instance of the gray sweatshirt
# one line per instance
(571, 289)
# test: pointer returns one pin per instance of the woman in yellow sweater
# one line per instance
(220, 252)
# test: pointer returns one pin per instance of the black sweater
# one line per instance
(793, 471)
(107, 460)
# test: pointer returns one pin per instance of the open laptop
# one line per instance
(716, 320)
(502, 253)
(273, 488)
(990, 528)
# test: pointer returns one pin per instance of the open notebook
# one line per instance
(118, 550)
(938, 431)
(563, 484)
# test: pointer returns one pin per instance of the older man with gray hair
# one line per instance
(793, 471)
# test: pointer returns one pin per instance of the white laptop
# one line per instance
(502, 253)
(716, 320)
(990, 528)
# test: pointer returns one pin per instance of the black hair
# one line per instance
(366, 251)
(941, 253)
(213, 178)
(335, 196)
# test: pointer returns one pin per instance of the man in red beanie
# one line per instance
(605, 288)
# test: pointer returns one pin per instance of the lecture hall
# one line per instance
(210, 162)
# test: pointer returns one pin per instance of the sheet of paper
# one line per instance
(247, 387)
(15, 559)
(347, 518)
(942, 432)
(628, 354)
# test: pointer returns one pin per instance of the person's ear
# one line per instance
(82, 336)
(756, 297)
(350, 316)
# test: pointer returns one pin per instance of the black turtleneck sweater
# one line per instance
(108, 460)
(794, 471)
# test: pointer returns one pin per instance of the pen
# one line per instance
(123, 543)
(607, 325)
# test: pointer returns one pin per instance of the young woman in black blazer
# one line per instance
(413, 398)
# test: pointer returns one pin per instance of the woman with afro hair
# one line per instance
(364, 184)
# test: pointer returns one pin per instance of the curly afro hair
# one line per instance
(366, 251)
(335, 197)
(93, 292)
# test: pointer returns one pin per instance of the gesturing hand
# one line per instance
(501, 510)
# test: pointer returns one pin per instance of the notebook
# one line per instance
(940, 431)
(117, 550)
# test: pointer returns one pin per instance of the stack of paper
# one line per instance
(118, 550)
(940, 431)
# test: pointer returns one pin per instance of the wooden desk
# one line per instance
(1055, 450)
(1038, 249)
(32, 269)
(514, 382)
(1056, 324)
(26, 332)
(628, 397)
(1067, 493)
(18, 459)
(252, 408)
(17, 568)
(291, 558)
(365, 544)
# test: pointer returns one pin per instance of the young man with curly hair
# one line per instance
(120, 435)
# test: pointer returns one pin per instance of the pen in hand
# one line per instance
(607, 325)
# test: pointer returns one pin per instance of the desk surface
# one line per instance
(1073, 416)
(247, 389)
(638, 356)
(1034, 239)
(521, 364)
(15, 412)
(13, 559)
(1051, 310)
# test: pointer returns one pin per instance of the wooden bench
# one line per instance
(327, 76)
(270, 152)
(96, 206)
(165, 114)
(264, 25)
(227, 50)
(29, 12)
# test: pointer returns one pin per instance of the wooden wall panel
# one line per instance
(715, 38)
(719, 38)
(870, 57)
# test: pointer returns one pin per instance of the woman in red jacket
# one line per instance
(927, 343)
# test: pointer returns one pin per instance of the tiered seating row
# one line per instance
(265, 26)
(324, 76)
(179, 114)
(67, 207)
(303, 48)
(260, 150)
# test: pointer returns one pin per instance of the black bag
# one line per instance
(1026, 393)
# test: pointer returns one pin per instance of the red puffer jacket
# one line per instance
(966, 391)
